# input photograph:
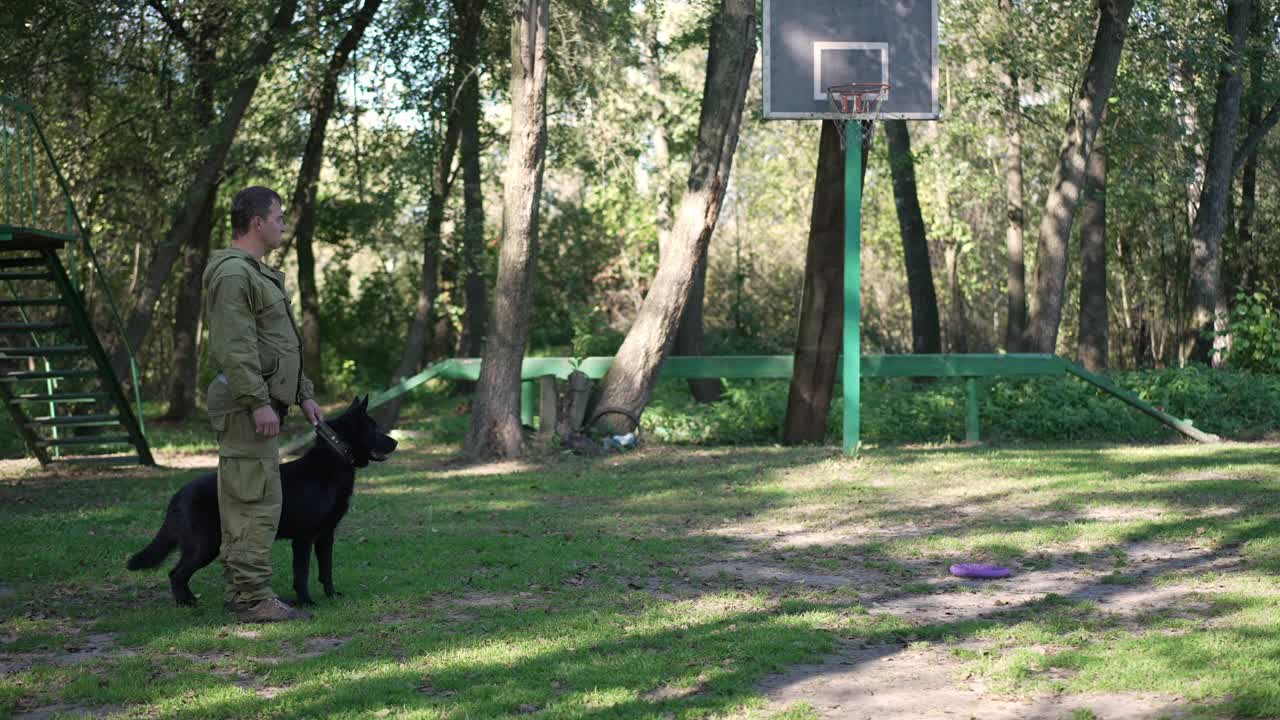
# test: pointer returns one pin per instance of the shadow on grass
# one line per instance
(572, 534)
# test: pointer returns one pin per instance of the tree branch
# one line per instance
(173, 23)
(1254, 138)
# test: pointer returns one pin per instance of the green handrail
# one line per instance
(74, 226)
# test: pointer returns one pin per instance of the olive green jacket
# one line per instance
(253, 340)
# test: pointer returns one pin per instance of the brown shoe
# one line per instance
(270, 610)
(237, 606)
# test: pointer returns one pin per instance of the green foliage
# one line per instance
(364, 331)
(1255, 330)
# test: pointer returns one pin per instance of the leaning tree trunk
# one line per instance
(463, 48)
(1208, 325)
(926, 332)
(821, 327)
(202, 186)
(495, 414)
(635, 369)
(1016, 284)
(302, 208)
(1092, 333)
(1068, 176)
(690, 334)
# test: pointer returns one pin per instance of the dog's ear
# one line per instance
(364, 404)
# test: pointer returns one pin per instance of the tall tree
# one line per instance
(1258, 52)
(190, 213)
(926, 332)
(1208, 307)
(1016, 284)
(634, 372)
(475, 307)
(464, 48)
(495, 412)
(1092, 332)
(1068, 174)
(201, 48)
(819, 335)
(321, 99)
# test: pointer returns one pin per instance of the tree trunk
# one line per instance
(690, 332)
(1206, 233)
(202, 186)
(958, 323)
(1249, 178)
(1068, 176)
(186, 318)
(475, 310)
(1016, 285)
(302, 208)
(1092, 339)
(658, 115)
(634, 372)
(926, 333)
(195, 251)
(821, 326)
(495, 415)
(463, 47)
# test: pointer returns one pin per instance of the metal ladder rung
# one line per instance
(31, 302)
(47, 375)
(74, 420)
(98, 460)
(25, 276)
(33, 327)
(47, 351)
(87, 440)
(21, 262)
(61, 397)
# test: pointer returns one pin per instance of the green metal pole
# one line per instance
(851, 365)
(31, 165)
(526, 402)
(971, 426)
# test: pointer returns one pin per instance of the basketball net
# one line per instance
(860, 102)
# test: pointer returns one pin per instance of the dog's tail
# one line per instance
(155, 553)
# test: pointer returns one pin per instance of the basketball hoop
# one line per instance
(857, 101)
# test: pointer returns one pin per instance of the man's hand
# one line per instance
(267, 421)
(312, 412)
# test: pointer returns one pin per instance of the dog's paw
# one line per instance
(331, 593)
(187, 602)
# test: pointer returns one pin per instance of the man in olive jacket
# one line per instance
(257, 350)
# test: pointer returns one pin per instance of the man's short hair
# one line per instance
(250, 203)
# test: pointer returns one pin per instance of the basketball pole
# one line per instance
(851, 365)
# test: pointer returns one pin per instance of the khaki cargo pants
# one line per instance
(249, 501)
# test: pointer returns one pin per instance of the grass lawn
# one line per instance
(675, 582)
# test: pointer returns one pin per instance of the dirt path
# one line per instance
(920, 680)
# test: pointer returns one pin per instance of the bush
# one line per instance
(1255, 331)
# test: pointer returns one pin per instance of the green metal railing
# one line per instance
(778, 367)
(20, 133)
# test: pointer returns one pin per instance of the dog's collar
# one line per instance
(335, 443)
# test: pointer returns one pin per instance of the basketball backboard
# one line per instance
(810, 45)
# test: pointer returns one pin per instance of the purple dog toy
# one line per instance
(980, 571)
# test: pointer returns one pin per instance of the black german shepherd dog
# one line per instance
(317, 492)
